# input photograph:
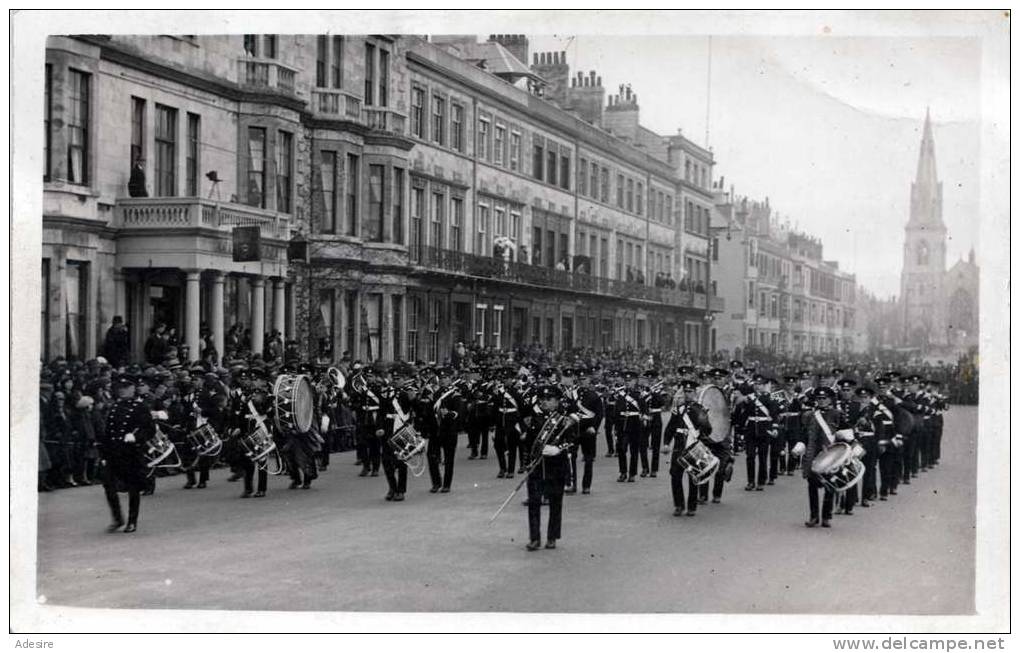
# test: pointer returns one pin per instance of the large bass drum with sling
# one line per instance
(837, 468)
(293, 403)
(718, 407)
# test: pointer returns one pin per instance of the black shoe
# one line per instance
(586, 491)
(865, 504)
(246, 494)
(771, 482)
(826, 524)
(882, 498)
(905, 481)
(570, 490)
(294, 485)
(621, 478)
(130, 528)
(630, 479)
(520, 471)
(147, 493)
(611, 454)
(501, 474)
(45, 487)
(201, 486)
(259, 494)
(644, 473)
(533, 545)
(811, 523)
(509, 475)
(482, 457)
(115, 526)
(234, 477)
(701, 501)
(473, 456)
(690, 513)
(551, 544)
(678, 512)
(716, 499)
(434, 489)
(892, 492)
(398, 497)
(653, 475)
(307, 485)
(749, 487)
(188, 485)
(375, 472)
(363, 472)
(849, 513)
(445, 490)
(390, 495)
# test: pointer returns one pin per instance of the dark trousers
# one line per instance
(775, 445)
(372, 454)
(628, 442)
(756, 459)
(297, 473)
(607, 426)
(936, 438)
(505, 442)
(249, 469)
(849, 499)
(443, 445)
(720, 450)
(478, 435)
(134, 503)
(924, 445)
(653, 443)
(203, 465)
(869, 487)
(890, 469)
(814, 485)
(396, 472)
(677, 476)
(587, 449)
(552, 490)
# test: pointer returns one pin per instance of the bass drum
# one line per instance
(294, 403)
(714, 400)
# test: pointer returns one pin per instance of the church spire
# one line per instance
(926, 194)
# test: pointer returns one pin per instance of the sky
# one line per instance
(828, 128)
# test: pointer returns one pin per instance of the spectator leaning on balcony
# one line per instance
(136, 182)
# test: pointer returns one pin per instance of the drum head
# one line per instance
(712, 398)
(304, 404)
(832, 458)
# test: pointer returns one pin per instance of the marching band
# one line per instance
(855, 441)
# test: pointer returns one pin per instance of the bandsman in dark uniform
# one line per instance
(630, 409)
(129, 427)
(507, 406)
(865, 415)
(651, 434)
(478, 394)
(760, 424)
(367, 410)
(398, 402)
(548, 476)
(450, 409)
(688, 423)
(820, 427)
(590, 412)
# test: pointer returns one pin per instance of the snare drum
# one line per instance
(406, 443)
(158, 448)
(204, 441)
(837, 468)
(698, 462)
(258, 444)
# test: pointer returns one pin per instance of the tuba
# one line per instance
(358, 383)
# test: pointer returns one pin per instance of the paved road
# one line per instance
(341, 547)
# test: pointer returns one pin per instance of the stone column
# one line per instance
(119, 294)
(291, 311)
(279, 304)
(258, 313)
(192, 306)
(216, 312)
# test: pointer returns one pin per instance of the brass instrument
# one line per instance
(552, 433)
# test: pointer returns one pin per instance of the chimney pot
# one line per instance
(535, 56)
(599, 81)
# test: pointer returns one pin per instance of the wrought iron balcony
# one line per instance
(536, 275)
(162, 213)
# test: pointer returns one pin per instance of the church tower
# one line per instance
(924, 254)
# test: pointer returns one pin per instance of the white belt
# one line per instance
(865, 434)
(630, 414)
(508, 410)
(759, 419)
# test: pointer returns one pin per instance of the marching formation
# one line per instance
(855, 436)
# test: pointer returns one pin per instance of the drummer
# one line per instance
(818, 434)
(687, 424)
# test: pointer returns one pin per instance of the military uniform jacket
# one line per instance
(815, 438)
(762, 413)
(677, 427)
(590, 409)
(552, 468)
(450, 399)
(507, 406)
(398, 410)
(126, 465)
(630, 406)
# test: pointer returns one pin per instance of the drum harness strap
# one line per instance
(760, 418)
(398, 414)
(691, 431)
(442, 397)
(825, 427)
